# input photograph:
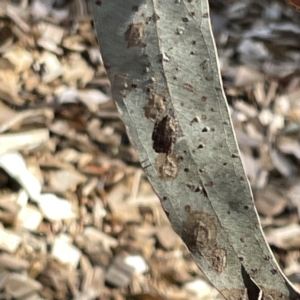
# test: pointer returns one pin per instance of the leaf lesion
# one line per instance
(164, 135)
(200, 232)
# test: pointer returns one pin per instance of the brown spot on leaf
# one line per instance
(204, 64)
(135, 35)
(274, 271)
(187, 208)
(219, 260)
(191, 186)
(122, 84)
(198, 189)
(199, 233)
(155, 17)
(189, 87)
(206, 67)
(195, 120)
(155, 107)
(167, 166)
(164, 135)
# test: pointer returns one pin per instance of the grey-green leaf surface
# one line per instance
(161, 60)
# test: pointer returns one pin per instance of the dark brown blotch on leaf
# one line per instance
(164, 135)
(135, 35)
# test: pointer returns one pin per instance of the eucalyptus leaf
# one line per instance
(162, 64)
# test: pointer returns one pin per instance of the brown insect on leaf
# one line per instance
(164, 135)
